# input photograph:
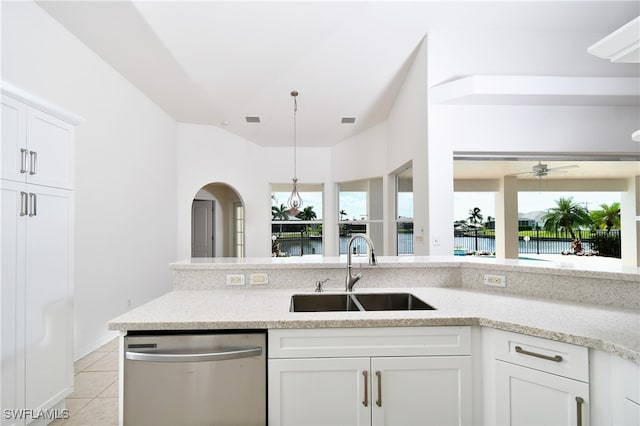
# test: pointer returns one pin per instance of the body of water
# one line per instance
(298, 247)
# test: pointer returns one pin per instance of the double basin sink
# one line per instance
(344, 302)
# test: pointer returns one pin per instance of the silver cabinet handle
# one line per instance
(23, 160)
(579, 402)
(193, 357)
(365, 374)
(33, 159)
(379, 401)
(24, 203)
(33, 198)
(556, 358)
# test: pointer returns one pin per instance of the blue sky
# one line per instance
(353, 203)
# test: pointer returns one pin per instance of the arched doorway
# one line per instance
(217, 222)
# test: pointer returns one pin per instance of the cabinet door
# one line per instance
(319, 391)
(51, 150)
(525, 396)
(48, 293)
(13, 119)
(12, 298)
(421, 390)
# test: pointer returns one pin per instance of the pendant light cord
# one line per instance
(295, 131)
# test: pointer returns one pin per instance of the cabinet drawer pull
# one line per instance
(33, 211)
(33, 159)
(24, 203)
(23, 160)
(579, 402)
(379, 401)
(365, 374)
(556, 358)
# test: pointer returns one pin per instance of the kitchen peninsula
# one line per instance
(594, 315)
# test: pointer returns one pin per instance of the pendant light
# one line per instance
(295, 201)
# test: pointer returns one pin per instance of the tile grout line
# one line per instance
(95, 395)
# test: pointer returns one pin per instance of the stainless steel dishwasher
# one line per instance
(195, 378)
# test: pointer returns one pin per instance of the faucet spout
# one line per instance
(352, 279)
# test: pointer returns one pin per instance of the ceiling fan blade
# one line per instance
(573, 166)
(521, 173)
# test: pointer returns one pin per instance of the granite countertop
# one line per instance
(613, 330)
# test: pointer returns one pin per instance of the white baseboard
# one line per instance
(87, 349)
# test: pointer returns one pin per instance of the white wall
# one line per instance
(383, 149)
(211, 154)
(125, 169)
(408, 124)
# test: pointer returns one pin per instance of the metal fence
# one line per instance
(302, 239)
(405, 237)
(296, 240)
(603, 243)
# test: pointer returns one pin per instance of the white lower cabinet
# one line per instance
(530, 397)
(625, 386)
(318, 391)
(539, 381)
(370, 390)
(421, 390)
(37, 304)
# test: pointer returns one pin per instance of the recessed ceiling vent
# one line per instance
(348, 120)
(252, 119)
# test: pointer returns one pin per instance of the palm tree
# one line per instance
(567, 215)
(475, 216)
(342, 214)
(608, 217)
(280, 213)
(307, 214)
(489, 220)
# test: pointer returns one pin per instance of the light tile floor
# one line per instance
(94, 401)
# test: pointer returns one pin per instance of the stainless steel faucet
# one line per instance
(351, 280)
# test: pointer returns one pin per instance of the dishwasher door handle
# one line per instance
(194, 357)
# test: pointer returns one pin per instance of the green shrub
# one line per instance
(606, 244)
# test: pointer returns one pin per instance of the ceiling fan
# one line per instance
(540, 170)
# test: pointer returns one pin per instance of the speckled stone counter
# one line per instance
(595, 308)
(615, 331)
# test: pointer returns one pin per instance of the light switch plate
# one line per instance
(258, 279)
(495, 280)
(235, 279)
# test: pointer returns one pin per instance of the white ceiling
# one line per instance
(481, 169)
(212, 62)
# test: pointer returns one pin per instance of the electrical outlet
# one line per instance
(258, 279)
(235, 279)
(495, 280)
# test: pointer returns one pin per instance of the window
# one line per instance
(360, 211)
(404, 211)
(300, 234)
(238, 218)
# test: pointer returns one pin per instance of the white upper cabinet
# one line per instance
(36, 147)
(37, 140)
(50, 150)
(14, 139)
